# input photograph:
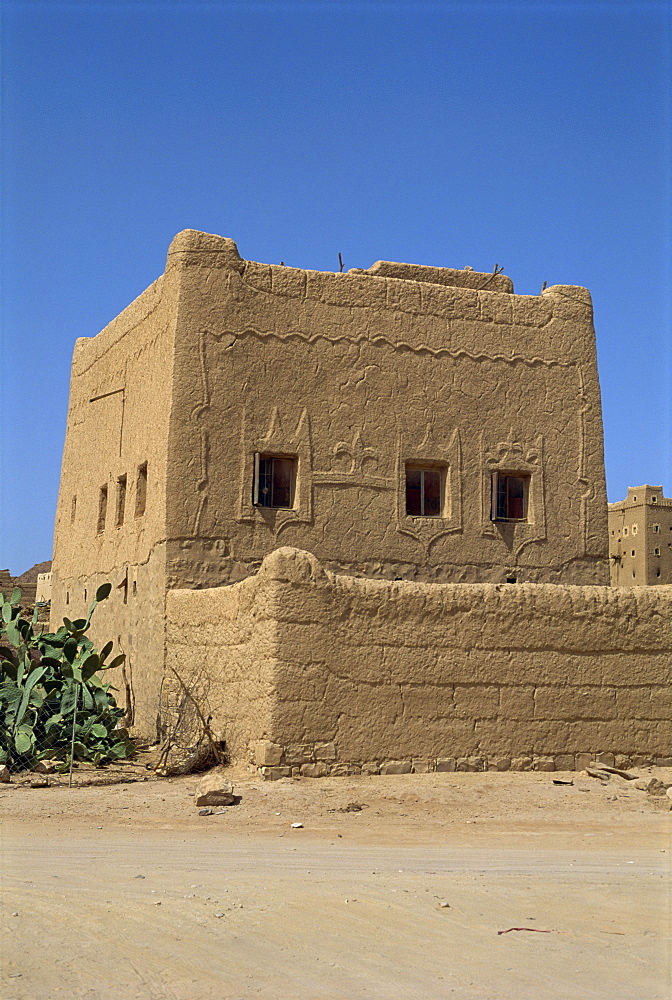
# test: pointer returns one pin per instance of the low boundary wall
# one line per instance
(307, 672)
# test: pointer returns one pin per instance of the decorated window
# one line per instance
(424, 491)
(274, 481)
(510, 494)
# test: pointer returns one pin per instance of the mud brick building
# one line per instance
(407, 424)
(640, 538)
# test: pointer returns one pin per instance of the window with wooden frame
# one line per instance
(424, 491)
(510, 496)
(274, 481)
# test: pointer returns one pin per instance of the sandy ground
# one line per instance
(123, 892)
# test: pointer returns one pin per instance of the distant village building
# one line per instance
(43, 589)
(640, 538)
(29, 583)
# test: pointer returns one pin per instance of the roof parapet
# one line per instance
(193, 248)
(465, 278)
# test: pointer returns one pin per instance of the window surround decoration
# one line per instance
(514, 455)
(276, 434)
(436, 449)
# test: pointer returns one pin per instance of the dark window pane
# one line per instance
(282, 482)
(516, 487)
(413, 506)
(516, 496)
(413, 478)
(413, 492)
(432, 492)
(516, 508)
(423, 492)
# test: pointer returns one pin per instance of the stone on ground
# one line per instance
(214, 790)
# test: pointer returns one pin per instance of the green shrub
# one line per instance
(50, 681)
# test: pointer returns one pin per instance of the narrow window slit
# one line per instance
(121, 500)
(102, 508)
(141, 490)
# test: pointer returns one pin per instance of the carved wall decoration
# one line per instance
(198, 416)
(582, 478)
(279, 438)
(432, 449)
(514, 455)
(354, 464)
(114, 395)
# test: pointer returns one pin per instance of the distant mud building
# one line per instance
(408, 426)
(640, 538)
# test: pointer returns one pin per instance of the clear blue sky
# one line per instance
(533, 135)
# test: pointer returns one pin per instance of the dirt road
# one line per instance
(125, 893)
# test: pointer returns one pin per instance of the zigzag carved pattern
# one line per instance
(401, 345)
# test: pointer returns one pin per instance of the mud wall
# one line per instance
(221, 652)
(110, 520)
(330, 673)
